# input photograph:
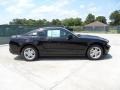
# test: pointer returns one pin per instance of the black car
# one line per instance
(57, 41)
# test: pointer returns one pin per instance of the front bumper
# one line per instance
(107, 48)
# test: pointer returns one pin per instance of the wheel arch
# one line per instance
(96, 43)
(26, 45)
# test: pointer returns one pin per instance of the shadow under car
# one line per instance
(61, 58)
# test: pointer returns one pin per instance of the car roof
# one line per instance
(53, 28)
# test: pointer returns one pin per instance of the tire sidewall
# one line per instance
(88, 52)
(36, 53)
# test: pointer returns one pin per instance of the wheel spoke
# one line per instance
(95, 52)
(29, 53)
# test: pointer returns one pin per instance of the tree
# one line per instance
(18, 22)
(115, 18)
(32, 22)
(56, 22)
(68, 22)
(45, 22)
(72, 22)
(39, 22)
(77, 21)
(101, 19)
(90, 18)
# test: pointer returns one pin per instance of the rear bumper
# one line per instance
(14, 48)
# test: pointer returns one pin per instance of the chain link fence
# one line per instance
(8, 30)
(109, 29)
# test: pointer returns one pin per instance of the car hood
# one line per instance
(93, 37)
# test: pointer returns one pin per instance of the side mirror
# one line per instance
(69, 37)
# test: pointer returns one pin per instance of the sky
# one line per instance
(52, 9)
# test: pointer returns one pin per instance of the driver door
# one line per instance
(58, 43)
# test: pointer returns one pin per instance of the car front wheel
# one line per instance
(29, 53)
(95, 52)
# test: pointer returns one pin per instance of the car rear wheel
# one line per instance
(95, 52)
(29, 53)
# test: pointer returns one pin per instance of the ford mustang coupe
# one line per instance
(57, 41)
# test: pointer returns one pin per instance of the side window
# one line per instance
(63, 34)
(57, 33)
(53, 33)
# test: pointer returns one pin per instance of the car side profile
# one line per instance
(57, 41)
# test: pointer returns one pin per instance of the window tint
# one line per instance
(42, 33)
(63, 33)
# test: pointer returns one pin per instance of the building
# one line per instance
(96, 26)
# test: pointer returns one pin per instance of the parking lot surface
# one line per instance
(61, 73)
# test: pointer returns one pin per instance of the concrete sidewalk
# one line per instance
(61, 73)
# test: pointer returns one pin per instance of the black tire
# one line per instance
(89, 51)
(35, 53)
